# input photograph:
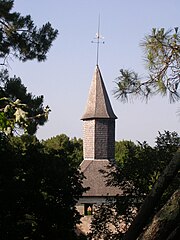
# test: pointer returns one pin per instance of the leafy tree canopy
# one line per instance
(73, 147)
(19, 110)
(138, 170)
(20, 38)
(38, 191)
(122, 150)
(162, 55)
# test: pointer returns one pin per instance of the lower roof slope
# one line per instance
(96, 180)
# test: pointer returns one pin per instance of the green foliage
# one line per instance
(127, 83)
(39, 191)
(105, 223)
(122, 150)
(73, 147)
(143, 164)
(20, 37)
(162, 55)
(142, 169)
(167, 144)
(139, 167)
(18, 108)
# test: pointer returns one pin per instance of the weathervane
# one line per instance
(98, 41)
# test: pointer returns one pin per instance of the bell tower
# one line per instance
(98, 122)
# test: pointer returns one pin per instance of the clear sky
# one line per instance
(64, 79)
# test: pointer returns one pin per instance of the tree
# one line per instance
(170, 211)
(18, 108)
(162, 55)
(152, 200)
(20, 38)
(137, 172)
(73, 147)
(38, 191)
(122, 149)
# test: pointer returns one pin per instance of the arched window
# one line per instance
(88, 209)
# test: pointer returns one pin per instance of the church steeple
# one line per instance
(98, 144)
(98, 104)
(98, 122)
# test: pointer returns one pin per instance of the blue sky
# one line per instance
(64, 79)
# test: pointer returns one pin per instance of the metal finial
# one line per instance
(98, 41)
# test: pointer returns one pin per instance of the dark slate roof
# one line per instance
(98, 103)
(96, 180)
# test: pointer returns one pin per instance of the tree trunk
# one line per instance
(165, 221)
(152, 199)
(175, 234)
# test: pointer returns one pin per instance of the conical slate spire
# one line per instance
(98, 104)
